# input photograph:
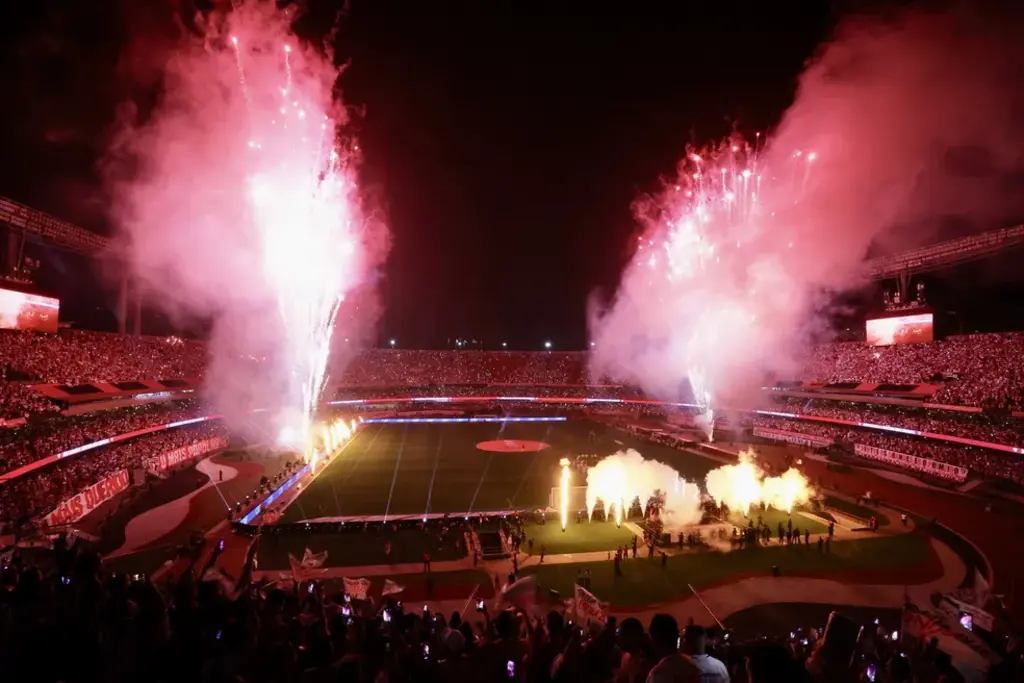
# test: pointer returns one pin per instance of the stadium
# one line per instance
(438, 479)
(362, 385)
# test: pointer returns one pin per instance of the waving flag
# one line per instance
(968, 653)
(586, 606)
(522, 593)
(358, 589)
(391, 588)
(309, 567)
(313, 561)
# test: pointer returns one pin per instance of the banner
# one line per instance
(913, 462)
(84, 502)
(357, 589)
(954, 607)
(793, 437)
(968, 653)
(586, 606)
(173, 458)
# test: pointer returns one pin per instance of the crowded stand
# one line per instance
(381, 368)
(993, 428)
(41, 438)
(120, 628)
(20, 402)
(77, 357)
(984, 370)
(989, 463)
(25, 499)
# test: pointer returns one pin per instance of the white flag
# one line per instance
(301, 572)
(587, 606)
(391, 588)
(522, 593)
(311, 561)
(358, 589)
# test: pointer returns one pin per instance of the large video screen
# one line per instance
(21, 311)
(904, 329)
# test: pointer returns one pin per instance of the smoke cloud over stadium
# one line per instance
(896, 125)
(239, 202)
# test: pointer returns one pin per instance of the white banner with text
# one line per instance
(913, 462)
(82, 503)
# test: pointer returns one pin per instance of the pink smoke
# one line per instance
(238, 200)
(741, 252)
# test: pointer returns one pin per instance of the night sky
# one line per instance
(505, 141)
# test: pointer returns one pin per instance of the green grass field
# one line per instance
(773, 517)
(645, 582)
(417, 469)
(577, 538)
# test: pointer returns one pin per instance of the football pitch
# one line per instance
(420, 469)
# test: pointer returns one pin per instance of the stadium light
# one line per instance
(504, 345)
(591, 344)
(392, 342)
(547, 345)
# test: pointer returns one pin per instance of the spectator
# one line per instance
(711, 670)
(672, 666)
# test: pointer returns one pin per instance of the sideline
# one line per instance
(157, 522)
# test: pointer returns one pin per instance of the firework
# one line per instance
(240, 206)
(701, 276)
(300, 190)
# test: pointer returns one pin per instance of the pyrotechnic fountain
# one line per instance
(238, 198)
(744, 485)
(703, 274)
(620, 479)
(301, 195)
(564, 492)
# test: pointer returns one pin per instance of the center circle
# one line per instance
(512, 446)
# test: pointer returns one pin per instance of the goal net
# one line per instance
(577, 498)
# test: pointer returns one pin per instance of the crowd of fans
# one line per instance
(116, 628)
(42, 438)
(27, 498)
(984, 370)
(989, 463)
(975, 370)
(380, 368)
(994, 428)
(76, 357)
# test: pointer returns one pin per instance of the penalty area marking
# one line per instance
(512, 446)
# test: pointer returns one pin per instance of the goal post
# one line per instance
(577, 498)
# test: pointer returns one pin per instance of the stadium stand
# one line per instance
(25, 499)
(120, 629)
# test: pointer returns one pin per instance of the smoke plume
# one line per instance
(621, 478)
(237, 199)
(744, 485)
(896, 125)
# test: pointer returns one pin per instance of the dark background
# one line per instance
(506, 142)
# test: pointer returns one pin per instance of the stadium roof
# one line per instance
(946, 253)
(50, 229)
